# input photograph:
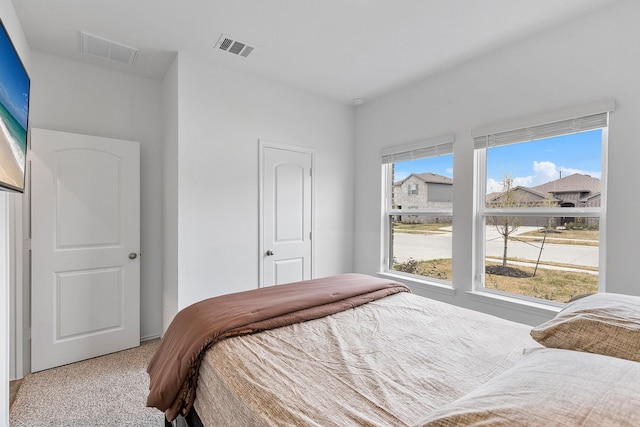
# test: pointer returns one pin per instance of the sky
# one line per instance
(528, 163)
(14, 82)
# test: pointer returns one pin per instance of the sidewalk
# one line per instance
(542, 266)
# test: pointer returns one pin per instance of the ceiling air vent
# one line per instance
(106, 49)
(227, 44)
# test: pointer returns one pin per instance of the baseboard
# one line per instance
(150, 337)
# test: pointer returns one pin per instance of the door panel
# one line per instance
(286, 252)
(288, 270)
(85, 225)
(100, 290)
(82, 219)
(288, 186)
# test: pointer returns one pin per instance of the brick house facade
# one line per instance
(429, 190)
(422, 191)
(573, 191)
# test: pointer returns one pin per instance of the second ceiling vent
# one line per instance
(99, 47)
(230, 45)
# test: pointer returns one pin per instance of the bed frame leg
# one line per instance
(191, 420)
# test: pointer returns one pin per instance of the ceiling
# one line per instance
(337, 49)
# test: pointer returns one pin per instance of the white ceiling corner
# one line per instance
(337, 49)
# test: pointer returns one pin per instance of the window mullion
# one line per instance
(586, 212)
(480, 157)
(448, 212)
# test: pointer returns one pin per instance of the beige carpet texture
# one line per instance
(105, 391)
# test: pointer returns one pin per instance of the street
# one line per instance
(434, 246)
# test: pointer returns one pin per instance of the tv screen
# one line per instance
(14, 114)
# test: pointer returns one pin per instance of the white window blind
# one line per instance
(537, 130)
(426, 148)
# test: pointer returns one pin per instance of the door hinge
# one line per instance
(311, 172)
(310, 235)
(26, 333)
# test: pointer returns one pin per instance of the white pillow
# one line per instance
(551, 387)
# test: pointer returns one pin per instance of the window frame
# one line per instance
(432, 147)
(481, 211)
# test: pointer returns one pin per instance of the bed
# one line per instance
(355, 350)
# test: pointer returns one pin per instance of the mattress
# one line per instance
(387, 363)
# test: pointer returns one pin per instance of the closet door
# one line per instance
(85, 245)
(286, 215)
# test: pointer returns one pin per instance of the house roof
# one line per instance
(494, 197)
(429, 178)
(587, 185)
(571, 184)
(589, 197)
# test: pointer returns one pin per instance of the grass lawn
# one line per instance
(399, 227)
(553, 285)
(566, 237)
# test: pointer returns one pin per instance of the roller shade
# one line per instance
(416, 150)
(597, 120)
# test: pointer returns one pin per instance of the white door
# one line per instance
(85, 284)
(286, 176)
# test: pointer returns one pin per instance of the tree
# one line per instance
(509, 197)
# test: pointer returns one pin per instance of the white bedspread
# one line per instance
(387, 363)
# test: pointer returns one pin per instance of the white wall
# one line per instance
(594, 58)
(11, 23)
(4, 308)
(73, 97)
(170, 101)
(222, 114)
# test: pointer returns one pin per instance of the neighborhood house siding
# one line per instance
(432, 191)
(575, 190)
(405, 199)
(423, 191)
(440, 193)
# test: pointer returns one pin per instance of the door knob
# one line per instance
(133, 255)
(269, 252)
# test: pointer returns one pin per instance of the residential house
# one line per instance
(573, 191)
(423, 190)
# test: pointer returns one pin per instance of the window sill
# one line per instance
(504, 301)
(426, 285)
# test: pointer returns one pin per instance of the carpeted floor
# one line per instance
(106, 391)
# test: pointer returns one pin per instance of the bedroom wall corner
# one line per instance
(222, 115)
(170, 110)
(71, 96)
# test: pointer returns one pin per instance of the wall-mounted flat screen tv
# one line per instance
(14, 115)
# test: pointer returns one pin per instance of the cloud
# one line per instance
(548, 171)
(523, 181)
(571, 171)
(493, 186)
(544, 172)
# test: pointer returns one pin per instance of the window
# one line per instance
(540, 207)
(418, 209)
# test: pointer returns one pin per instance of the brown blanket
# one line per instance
(173, 370)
